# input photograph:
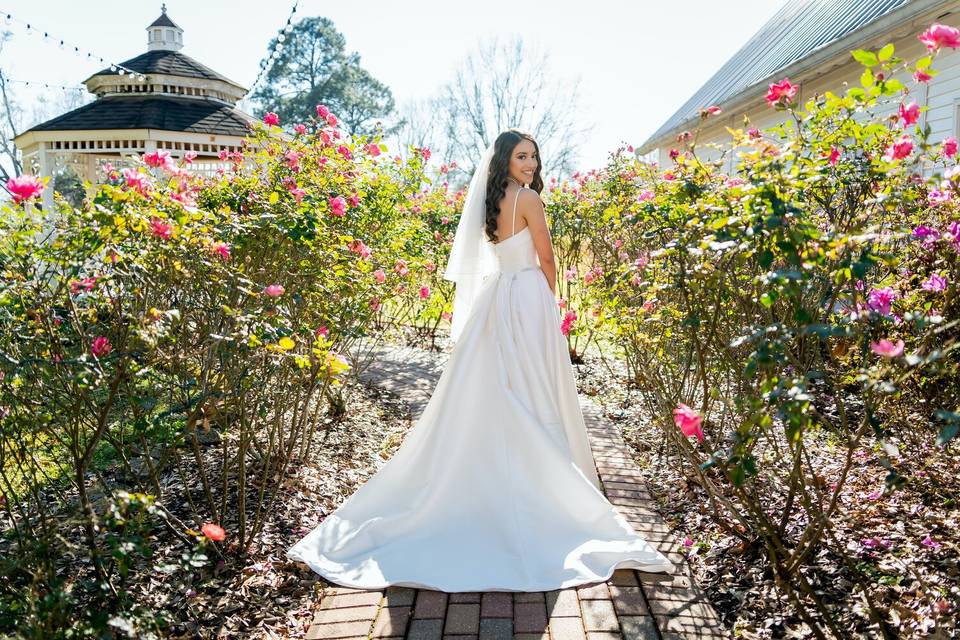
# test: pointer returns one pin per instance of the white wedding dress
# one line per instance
(494, 487)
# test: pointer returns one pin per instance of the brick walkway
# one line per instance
(632, 605)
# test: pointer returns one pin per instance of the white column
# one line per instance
(45, 170)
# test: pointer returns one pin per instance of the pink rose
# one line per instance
(909, 113)
(24, 188)
(161, 228)
(879, 300)
(645, 195)
(271, 118)
(293, 160)
(922, 76)
(834, 156)
(940, 35)
(274, 290)
(221, 249)
(688, 421)
(900, 149)
(300, 129)
(322, 111)
(380, 275)
(424, 292)
(100, 346)
(886, 348)
(781, 93)
(158, 158)
(713, 110)
(213, 532)
(568, 319)
(949, 147)
(338, 206)
(372, 149)
(332, 120)
(189, 156)
(935, 283)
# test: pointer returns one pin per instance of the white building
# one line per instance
(809, 41)
(173, 103)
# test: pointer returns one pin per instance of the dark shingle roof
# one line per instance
(798, 29)
(171, 63)
(164, 21)
(144, 112)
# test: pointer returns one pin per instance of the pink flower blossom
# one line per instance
(274, 290)
(298, 193)
(754, 133)
(86, 284)
(354, 200)
(713, 110)
(338, 206)
(781, 93)
(834, 156)
(158, 158)
(899, 150)
(645, 195)
(688, 421)
(270, 118)
(24, 188)
(910, 113)
(568, 319)
(221, 249)
(332, 120)
(570, 274)
(879, 300)
(189, 156)
(935, 282)
(322, 111)
(372, 149)
(446, 315)
(300, 128)
(100, 346)
(928, 541)
(886, 348)
(401, 267)
(688, 541)
(425, 152)
(213, 532)
(293, 160)
(322, 332)
(669, 176)
(344, 151)
(161, 228)
(874, 495)
(922, 76)
(940, 35)
(375, 302)
(424, 292)
(949, 147)
(380, 275)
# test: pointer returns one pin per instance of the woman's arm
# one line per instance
(530, 207)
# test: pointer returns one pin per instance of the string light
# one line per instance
(45, 84)
(281, 38)
(30, 29)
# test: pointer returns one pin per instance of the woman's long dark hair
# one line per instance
(499, 170)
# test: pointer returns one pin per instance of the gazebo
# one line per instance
(170, 102)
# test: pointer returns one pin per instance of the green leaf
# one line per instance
(924, 63)
(949, 430)
(885, 53)
(866, 58)
(866, 78)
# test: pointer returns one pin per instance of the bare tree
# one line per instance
(505, 84)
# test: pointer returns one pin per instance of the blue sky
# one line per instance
(637, 62)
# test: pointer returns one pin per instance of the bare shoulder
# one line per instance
(529, 200)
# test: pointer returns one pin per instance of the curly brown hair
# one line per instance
(499, 170)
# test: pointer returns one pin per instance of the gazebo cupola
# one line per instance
(164, 33)
(161, 99)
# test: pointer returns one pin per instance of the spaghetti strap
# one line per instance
(513, 223)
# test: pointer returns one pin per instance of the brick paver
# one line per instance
(632, 605)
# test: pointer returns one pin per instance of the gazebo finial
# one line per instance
(163, 8)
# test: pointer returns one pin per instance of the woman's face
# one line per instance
(523, 162)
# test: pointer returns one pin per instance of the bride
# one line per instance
(494, 487)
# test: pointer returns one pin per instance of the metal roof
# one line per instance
(798, 29)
